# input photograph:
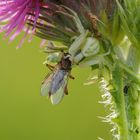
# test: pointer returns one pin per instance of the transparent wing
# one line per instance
(58, 80)
(46, 84)
(58, 95)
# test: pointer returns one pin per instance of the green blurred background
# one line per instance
(25, 115)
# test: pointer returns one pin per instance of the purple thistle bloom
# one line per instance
(15, 13)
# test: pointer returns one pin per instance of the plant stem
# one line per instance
(127, 96)
(120, 103)
(124, 130)
(133, 98)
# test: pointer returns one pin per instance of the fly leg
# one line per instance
(66, 90)
(71, 77)
(51, 68)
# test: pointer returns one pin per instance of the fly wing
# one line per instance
(46, 84)
(58, 86)
(58, 80)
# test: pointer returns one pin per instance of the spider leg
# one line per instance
(73, 15)
(75, 46)
(95, 60)
(70, 76)
(75, 19)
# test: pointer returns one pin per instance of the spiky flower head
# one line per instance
(14, 14)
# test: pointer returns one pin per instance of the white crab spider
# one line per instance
(83, 45)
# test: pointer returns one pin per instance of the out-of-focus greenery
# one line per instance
(25, 115)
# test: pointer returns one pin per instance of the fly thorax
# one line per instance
(65, 64)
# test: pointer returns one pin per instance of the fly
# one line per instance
(55, 83)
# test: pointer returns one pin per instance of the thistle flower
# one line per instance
(15, 13)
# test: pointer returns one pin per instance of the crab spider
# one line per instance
(84, 46)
